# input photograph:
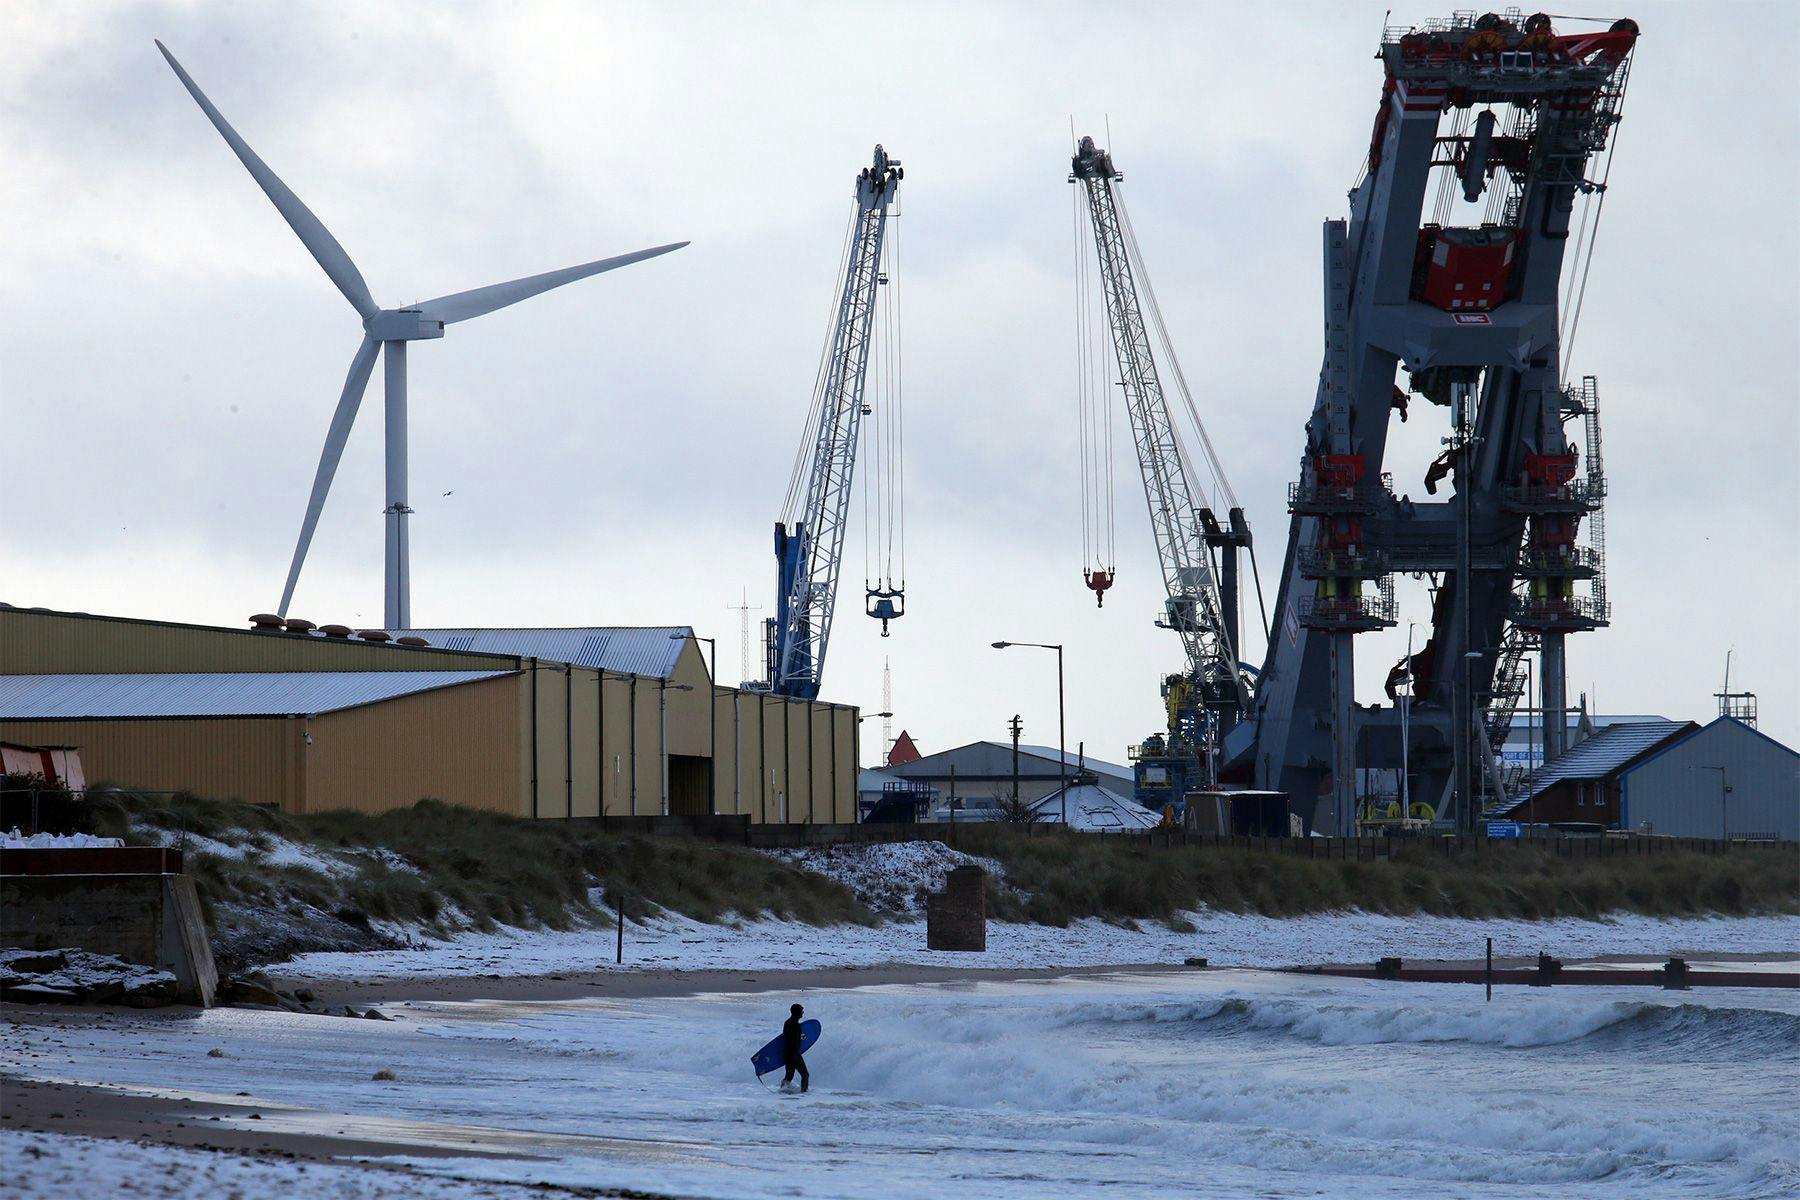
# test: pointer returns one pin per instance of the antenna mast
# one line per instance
(744, 608)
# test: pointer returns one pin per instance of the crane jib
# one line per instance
(1194, 608)
(809, 555)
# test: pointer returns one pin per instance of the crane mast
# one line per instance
(809, 551)
(1459, 271)
(1211, 690)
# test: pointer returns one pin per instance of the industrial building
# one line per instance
(1727, 779)
(985, 770)
(1672, 778)
(537, 722)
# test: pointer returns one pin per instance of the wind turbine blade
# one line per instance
(463, 305)
(313, 234)
(341, 421)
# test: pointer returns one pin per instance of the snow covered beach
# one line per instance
(1060, 1061)
(1215, 1083)
(675, 943)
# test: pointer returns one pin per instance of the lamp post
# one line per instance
(1405, 734)
(860, 718)
(712, 716)
(1466, 816)
(1062, 732)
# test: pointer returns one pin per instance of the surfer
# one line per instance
(790, 1051)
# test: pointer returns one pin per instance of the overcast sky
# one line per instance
(617, 450)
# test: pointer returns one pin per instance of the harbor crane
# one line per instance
(1204, 699)
(809, 541)
(1457, 277)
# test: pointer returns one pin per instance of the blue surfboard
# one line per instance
(770, 1058)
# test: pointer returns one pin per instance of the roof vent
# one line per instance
(376, 635)
(265, 621)
(336, 631)
(411, 640)
(300, 625)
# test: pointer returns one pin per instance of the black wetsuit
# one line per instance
(790, 1054)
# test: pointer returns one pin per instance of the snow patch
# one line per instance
(263, 850)
(674, 942)
(14, 840)
(48, 1165)
(890, 877)
(78, 975)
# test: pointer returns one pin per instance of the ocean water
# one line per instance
(1199, 1084)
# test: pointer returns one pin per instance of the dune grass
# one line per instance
(434, 865)
(437, 865)
(1057, 879)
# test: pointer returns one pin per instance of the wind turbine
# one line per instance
(388, 329)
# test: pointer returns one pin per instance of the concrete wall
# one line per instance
(47, 643)
(1680, 791)
(149, 919)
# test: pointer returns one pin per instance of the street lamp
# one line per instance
(712, 716)
(1465, 776)
(1406, 733)
(1062, 733)
(861, 717)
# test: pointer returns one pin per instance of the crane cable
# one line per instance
(891, 417)
(1221, 484)
(799, 480)
(1591, 231)
(1094, 424)
(884, 497)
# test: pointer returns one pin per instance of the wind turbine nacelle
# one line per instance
(403, 325)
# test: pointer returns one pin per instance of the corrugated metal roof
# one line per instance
(651, 651)
(1096, 809)
(934, 766)
(869, 779)
(1098, 766)
(235, 694)
(1599, 756)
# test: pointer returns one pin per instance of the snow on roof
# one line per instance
(232, 694)
(1095, 810)
(650, 651)
(870, 779)
(930, 764)
(1600, 755)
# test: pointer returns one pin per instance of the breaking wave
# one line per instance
(1617, 1024)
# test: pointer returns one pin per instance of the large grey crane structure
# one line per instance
(1204, 699)
(1498, 119)
(809, 549)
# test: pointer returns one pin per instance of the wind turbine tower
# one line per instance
(387, 330)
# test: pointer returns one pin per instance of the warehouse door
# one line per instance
(688, 775)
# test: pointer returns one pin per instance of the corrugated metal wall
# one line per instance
(47, 643)
(1680, 792)
(533, 744)
(572, 747)
(457, 744)
(254, 759)
(728, 704)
